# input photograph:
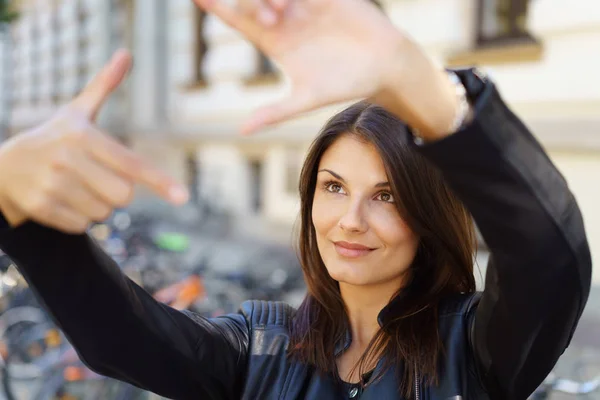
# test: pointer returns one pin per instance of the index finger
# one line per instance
(93, 96)
(127, 163)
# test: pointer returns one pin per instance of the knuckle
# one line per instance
(61, 159)
(77, 137)
(123, 194)
(75, 227)
(51, 186)
(39, 206)
(132, 163)
(81, 225)
(101, 212)
(75, 134)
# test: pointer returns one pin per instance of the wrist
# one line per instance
(10, 213)
(421, 93)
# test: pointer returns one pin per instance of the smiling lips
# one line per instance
(351, 250)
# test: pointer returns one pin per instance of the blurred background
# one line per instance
(193, 83)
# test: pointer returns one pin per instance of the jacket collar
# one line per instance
(343, 344)
(383, 317)
(391, 309)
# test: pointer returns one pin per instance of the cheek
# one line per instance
(324, 214)
(392, 229)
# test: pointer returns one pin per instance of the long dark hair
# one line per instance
(443, 264)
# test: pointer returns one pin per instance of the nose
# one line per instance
(353, 220)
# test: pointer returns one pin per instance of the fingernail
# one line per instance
(178, 194)
(117, 58)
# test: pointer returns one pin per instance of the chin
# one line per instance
(351, 275)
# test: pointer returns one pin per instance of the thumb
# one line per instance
(283, 110)
(94, 95)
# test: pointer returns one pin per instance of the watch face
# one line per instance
(454, 78)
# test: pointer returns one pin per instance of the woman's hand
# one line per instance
(66, 173)
(340, 50)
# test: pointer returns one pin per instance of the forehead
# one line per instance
(351, 157)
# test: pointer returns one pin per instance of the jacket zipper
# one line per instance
(417, 393)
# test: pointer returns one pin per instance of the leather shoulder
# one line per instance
(459, 304)
(267, 313)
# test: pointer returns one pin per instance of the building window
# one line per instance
(265, 70)
(256, 185)
(200, 48)
(55, 68)
(502, 21)
(265, 65)
(501, 36)
(122, 14)
(193, 177)
(17, 62)
(292, 172)
(119, 20)
(82, 69)
(35, 60)
(378, 4)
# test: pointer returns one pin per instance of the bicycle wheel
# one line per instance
(30, 357)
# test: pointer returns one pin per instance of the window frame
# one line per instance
(515, 34)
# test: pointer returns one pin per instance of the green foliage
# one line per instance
(8, 13)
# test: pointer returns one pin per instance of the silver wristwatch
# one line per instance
(463, 103)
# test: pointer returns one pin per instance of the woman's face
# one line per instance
(360, 235)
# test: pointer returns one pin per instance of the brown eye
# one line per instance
(384, 196)
(333, 187)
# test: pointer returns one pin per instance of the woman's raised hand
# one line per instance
(340, 50)
(332, 50)
(66, 173)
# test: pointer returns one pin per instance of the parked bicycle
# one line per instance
(555, 384)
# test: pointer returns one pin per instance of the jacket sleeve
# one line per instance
(118, 329)
(539, 274)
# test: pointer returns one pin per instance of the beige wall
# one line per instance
(225, 177)
(166, 156)
(582, 171)
(281, 204)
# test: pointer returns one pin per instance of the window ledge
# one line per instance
(193, 86)
(517, 51)
(262, 79)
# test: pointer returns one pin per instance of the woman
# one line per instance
(386, 245)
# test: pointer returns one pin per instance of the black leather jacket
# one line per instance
(498, 345)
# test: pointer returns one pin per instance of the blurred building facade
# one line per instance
(543, 54)
(195, 81)
(55, 47)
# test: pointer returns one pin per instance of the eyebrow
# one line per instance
(337, 176)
